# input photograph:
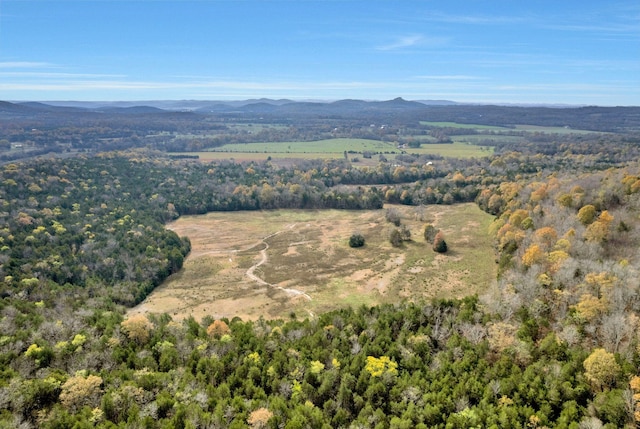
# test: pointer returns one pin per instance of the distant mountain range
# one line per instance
(397, 110)
(213, 105)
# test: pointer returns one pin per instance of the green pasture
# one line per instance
(257, 156)
(467, 126)
(521, 127)
(318, 146)
(335, 148)
(551, 130)
(479, 139)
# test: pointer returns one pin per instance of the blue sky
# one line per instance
(565, 52)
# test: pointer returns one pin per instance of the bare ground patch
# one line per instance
(276, 263)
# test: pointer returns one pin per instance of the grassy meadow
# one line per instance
(278, 263)
(335, 148)
(467, 126)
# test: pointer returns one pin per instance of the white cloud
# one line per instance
(23, 65)
(411, 41)
(52, 75)
(473, 19)
(449, 77)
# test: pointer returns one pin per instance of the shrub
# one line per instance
(356, 240)
(393, 216)
(430, 232)
(395, 238)
(439, 244)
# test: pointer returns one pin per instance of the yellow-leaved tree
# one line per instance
(601, 368)
(599, 230)
(138, 328)
(79, 391)
(382, 365)
(533, 255)
(634, 384)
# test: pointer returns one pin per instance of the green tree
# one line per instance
(356, 240)
(395, 238)
(587, 214)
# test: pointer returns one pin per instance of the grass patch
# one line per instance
(296, 254)
(334, 149)
(551, 130)
(457, 149)
(334, 146)
(457, 125)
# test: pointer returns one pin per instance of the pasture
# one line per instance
(507, 130)
(333, 146)
(281, 263)
(458, 149)
(334, 149)
(465, 126)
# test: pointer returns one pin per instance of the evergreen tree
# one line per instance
(356, 240)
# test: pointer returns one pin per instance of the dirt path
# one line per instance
(263, 259)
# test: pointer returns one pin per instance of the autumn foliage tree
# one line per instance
(634, 384)
(79, 391)
(138, 328)
(259, 418)
(601, 368)
(587, 214)
(533, 255)
(217, 329)
(599, 229)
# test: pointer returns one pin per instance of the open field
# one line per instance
(551, 130)
(506, 130)
(478, 139)
(334, 149)
(457, 149)
(277, 263)
(338, 146)
(469, 126)
(257, 156)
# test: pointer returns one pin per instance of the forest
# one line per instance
(552, 343)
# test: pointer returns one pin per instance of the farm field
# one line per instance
(551, 130)
(519, 127)
(469, 126)
(457, 149)
(337, 146)
(279, 263)
(333, 149)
